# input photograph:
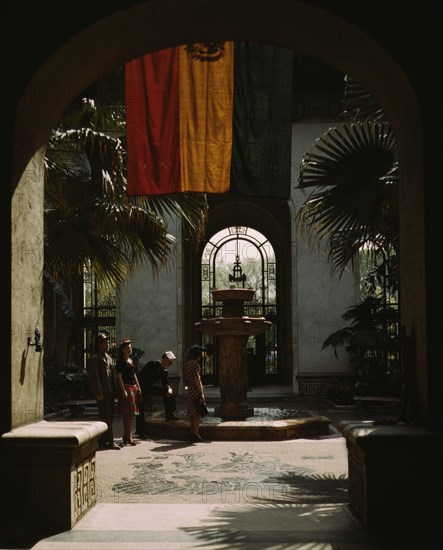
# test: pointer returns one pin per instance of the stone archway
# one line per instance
(272, 218)
(152, 25)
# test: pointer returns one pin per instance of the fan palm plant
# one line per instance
(353, 169)
(89, 218)
(351, 175)
(92, 226)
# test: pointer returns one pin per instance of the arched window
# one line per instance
(244, 257)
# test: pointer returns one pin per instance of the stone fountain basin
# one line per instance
(237, 430)
(235, 294)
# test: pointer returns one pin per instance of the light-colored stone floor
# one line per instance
(168, 494)
(215, 527)
(167, 471)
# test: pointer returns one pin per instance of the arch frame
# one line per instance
(274, 220)
(157, 24)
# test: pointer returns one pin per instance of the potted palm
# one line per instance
(352, 175)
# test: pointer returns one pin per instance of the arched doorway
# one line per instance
(221, 266)
(295, 25)
(90, 49)
(271, 219)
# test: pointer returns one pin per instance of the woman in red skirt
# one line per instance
(129, 389)
(195, 390)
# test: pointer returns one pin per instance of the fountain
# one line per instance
(233, 329)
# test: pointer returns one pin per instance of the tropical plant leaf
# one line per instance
(354, 170)
(359, 105)
(65, 303)
(368, 329)
(89, 216)
(340, 338)
(358, 154)
(100, 107)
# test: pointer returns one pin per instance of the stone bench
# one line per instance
(394, 476)
(48, 476)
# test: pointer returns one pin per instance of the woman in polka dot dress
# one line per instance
(195, 390)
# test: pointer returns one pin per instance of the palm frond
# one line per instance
(354, 170)
(100, 107)
(359, 105)
(190, 208)
(367, 329)
(65, 302)
(370, 313)
(89, 216)
(109, 100)
(351, 155)
(340, 338)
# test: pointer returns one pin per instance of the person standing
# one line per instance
(103, 385)
(195, 390)
(154, 380)
(129, 389)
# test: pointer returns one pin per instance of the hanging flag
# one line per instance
(261, 153)
(210, 118)
(152, 124)
(206, 91)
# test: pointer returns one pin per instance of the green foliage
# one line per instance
(89, 218)
(371, 340)
(353, 169)
(68, 382)
(354, 203)
(63, 383)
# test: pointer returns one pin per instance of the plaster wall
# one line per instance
(321, 297)
(27, 294)
(150, 307)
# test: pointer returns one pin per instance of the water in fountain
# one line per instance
(261, 414)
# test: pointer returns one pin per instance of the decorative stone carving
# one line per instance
(84, 490)
(48, 471)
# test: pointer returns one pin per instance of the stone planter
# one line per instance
(48, 476)
(392, 476)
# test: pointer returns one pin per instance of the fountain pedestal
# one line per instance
(233, 329)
